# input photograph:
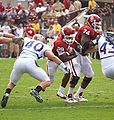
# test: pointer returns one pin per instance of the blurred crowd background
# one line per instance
(46, 17)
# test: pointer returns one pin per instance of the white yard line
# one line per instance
(56, 108)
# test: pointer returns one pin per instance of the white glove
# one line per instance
(63, 68)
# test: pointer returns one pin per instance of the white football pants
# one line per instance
(27, 65)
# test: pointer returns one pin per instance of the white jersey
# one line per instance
(105, 48)
(106, 51)
(33, 49)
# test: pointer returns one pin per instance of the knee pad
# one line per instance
(74, 81)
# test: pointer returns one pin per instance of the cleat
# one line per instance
(70, 96)
(4, 100)
(35, 94)
(61, 95)
(71, 100)
(80, 98)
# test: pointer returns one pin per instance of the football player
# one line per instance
(105, 47)
(84, 36)
(27, 63)
(61, 48)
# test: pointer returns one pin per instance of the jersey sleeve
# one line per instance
(46, 48)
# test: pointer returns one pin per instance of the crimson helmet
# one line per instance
(29, 32)
(68, 34)
(95, 22)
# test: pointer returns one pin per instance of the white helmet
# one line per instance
(39, 37)
(109, 36)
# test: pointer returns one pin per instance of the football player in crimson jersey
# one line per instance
(61, 48)
(84, 36)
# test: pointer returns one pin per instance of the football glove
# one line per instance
(63, 67)
(17, 39)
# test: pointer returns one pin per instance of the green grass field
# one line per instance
(21, 106)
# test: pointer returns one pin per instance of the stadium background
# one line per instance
(25, 2)
(22, 106)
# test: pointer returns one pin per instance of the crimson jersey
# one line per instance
(84, 30)
(59, 47)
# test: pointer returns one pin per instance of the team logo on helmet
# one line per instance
(30, 32)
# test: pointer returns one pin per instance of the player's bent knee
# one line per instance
(90, 75)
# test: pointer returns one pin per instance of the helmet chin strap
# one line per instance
(68, 41)
(89, 25)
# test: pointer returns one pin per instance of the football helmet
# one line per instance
(109, 36)
(39, 37)
(68, 34)
(29, 32)
(95, 22)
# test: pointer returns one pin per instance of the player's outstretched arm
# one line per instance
(8, 35)
(8, 40)
(55, 59)
(94, 49)
(52, 57)
(5, 40)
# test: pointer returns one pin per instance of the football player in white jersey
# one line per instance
(27, 63)
(106, 52)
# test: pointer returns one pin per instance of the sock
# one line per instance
(8, 90)
(61, 89)
(38, 88)
(79, 91)
(70, 91)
